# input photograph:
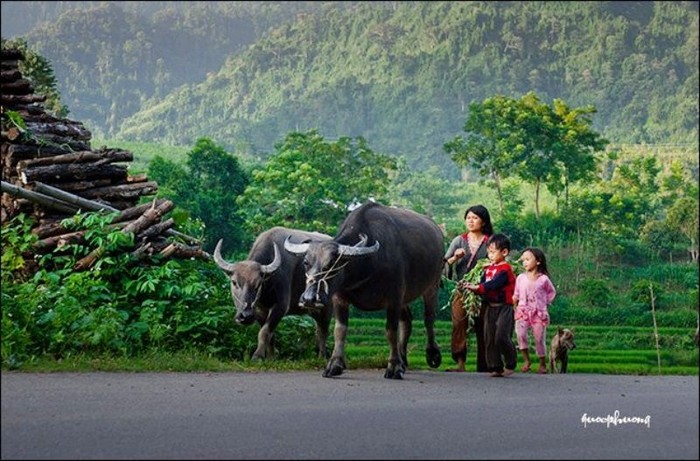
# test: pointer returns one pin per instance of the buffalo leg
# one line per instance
(432, 351)
(405, 328)
(395, 368)
(336, 364)
(265, 347)
(323, 320)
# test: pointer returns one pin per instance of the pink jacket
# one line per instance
(533, 298)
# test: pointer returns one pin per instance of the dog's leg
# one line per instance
(564, 360)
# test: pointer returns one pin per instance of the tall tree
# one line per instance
(207, 187)
(492, 135)
(310, 183)
(541, 144)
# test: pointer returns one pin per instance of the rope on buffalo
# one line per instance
(326, 275)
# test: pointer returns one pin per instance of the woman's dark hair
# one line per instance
(540, 258)
(482, 212)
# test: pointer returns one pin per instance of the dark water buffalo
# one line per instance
(381, 258)
(266, 286)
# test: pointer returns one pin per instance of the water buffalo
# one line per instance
(266, 286)
(381, 258)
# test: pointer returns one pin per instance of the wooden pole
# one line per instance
(41, 199)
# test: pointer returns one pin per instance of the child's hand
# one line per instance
(471, 286)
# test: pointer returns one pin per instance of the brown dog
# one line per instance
(562, 343)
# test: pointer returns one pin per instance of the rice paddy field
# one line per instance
(599, 349)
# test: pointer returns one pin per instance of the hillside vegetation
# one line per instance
(400, 74)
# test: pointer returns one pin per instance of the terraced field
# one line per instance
(600, 349)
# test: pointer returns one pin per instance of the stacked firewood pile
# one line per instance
(50, 172)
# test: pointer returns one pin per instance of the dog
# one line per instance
(562, 343)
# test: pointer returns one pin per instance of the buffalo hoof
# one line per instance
(394, 373)
(433, 356)
(334, 368)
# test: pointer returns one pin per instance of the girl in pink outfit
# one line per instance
(534, 291)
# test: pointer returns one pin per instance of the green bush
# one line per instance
(641, 292)
(120, 306)
(596, 293)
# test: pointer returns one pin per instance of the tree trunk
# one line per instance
(537, 198)
(497, 181)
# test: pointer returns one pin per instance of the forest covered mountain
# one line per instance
(400, 74)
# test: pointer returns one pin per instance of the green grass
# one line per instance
(600, 349)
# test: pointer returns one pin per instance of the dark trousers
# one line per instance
(498, 337)
(460, 336)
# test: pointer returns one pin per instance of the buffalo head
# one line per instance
(323, 262)
(246, 278)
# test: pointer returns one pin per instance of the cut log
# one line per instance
(55, 140)
(154, 230)
(10, 75)
(122, 191)
(77, 157)
(65, 172)
(49, 243)
(83, 185)
(20, 151)
(11, 134)
(11, 54)
(18, 87)
(18, 100)
(64, 129)
(151, 215)
(182, 251)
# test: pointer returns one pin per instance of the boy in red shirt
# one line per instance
(497, 287)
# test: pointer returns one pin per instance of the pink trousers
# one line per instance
(539, 332)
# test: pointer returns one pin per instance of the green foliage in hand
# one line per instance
(471, 302)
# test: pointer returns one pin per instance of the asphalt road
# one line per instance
(358, 415)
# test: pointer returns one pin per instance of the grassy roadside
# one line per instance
(600, 349)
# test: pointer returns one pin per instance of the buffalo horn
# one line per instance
(296, 248)
(346, 250)
(275, 264)
(362, 242)
(225, 266)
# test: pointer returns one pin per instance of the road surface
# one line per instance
(358, 415)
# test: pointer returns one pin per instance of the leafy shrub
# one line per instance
(596, 293)
(641, 291)
(120, 306)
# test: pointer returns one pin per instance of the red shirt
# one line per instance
(497, 283)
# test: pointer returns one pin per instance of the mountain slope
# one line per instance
(402, 74)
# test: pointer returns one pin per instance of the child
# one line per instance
(534, 291)
(497, 286)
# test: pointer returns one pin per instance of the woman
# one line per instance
(461, 256)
